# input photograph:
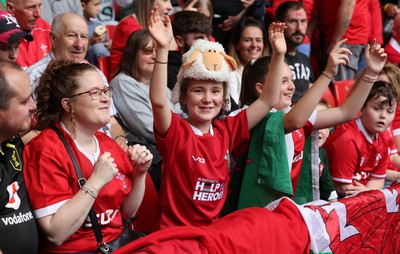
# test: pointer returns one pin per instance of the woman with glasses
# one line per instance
(131, 95)
(131, 86)
(73, 98)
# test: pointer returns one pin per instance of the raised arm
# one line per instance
(343, 19)
(163, 35)
(375, 59)
(297, 117)
(271, 89)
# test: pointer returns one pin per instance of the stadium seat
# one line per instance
(329, 98)
(145, 221)
(341, 90)
(104, 66)
(111, 31)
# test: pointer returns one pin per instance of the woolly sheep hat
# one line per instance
(205, 60)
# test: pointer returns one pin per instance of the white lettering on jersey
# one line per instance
(199, 159)
(208, 190)
(17, 219)
(105, 217)
(13, 199)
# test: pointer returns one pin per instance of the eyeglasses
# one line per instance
(96, 93)
(148, 51)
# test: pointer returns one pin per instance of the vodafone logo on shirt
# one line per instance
(13, 199)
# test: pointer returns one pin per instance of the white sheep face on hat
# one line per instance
(206, 61)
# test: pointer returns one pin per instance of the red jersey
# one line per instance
(396, 122)
(354, 156)
(388, 135)
(196, 169)
(392, 49)
(51, 181)
(299, 140)
(32, 51)
(121, 35)
(358, 31)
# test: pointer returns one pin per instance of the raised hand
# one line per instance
(375, 58)
(337, 56)
(161, 33)
(277, 38)
(140, 158)
(190, 6)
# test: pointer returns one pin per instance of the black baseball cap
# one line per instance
(10, 31)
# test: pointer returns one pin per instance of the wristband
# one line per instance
(369, 79)
(119, 136)
(155, 60)
(89, 191)
(327, 75)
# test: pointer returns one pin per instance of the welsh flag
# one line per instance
(366, 223)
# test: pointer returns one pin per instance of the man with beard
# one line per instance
(188, 26)
(294, 16)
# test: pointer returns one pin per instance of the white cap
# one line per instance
(206, 60)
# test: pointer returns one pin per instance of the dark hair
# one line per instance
(58, 81)
(253, 73)
(136, 42)
(186, 22)
(237, 34)
(283, 8)
(385, 89)
(7, 92)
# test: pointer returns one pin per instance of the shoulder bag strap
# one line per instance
(82, 181)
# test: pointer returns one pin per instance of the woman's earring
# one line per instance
(73, 134)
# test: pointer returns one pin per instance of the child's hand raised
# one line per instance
(277, 38)
(375, 58)
(161, 33)
(337, 56)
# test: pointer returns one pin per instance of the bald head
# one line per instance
(69, 37)
(26, 12)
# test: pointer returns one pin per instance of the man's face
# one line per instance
(16, 117)
(26, 12)
(186, 41)
(296, 22)
(72, 41)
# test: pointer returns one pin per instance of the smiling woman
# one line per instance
(73, 98)
(249, 42)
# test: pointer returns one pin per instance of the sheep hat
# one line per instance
(206, 60)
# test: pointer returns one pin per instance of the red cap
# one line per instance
(10, 31)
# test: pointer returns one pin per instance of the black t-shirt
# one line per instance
(18, 233)
(174, 64)
(303, 74)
